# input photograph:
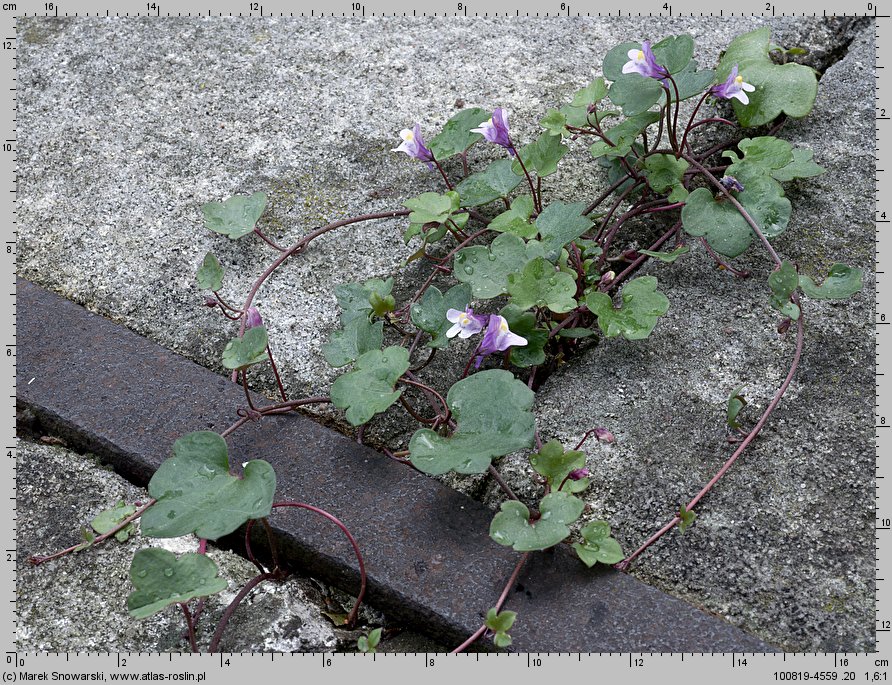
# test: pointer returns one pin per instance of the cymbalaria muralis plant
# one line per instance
(528, 281)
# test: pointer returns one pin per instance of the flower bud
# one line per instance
(579, 474)
(210, 301)
(253, 319)
(731, 183)
(604, 435)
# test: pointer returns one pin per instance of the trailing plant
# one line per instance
(530, 279)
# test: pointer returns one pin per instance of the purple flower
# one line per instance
(731, 183)
(466, 323)
(498, 338)
(413, 145)
(578, 474)
(733, 87)
(253, 318)
(643, 62)
(496, 130)
(604, 435)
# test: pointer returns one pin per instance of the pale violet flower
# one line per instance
(496, 129)
(465, 324)
(413, 145)
(731, 183)
(733, 87)
(253, 318)
(643, 62)
(498, 338)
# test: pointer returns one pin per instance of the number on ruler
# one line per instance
(49, 7)
(255, 6)
(356, 7)
(885, 523)
(152, 6)
(461, 6)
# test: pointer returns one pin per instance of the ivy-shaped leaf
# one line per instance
(456, 136)
(197, 494)
(552, 462)
(430, 214)
(517, 219)
(210, 273)
(500, 623)
(842, 282)
(235, 217)
(430, 313)
(250, 349)
(665, 173)
(802, 166)
(736, 403)
(623, 136)
(591, 94)
(673, 52)
(511, 527)
(780, 88)
(559, 224)
(598, 547)
(667, 257)
(691, 82)
(368, 390)
(724, 227)
(110, 519)
(768, 152)
(496, 181)
(356, 298)
(358, 336)
(635, 94)
(161, 580)
(783, 283)
(642, 305)
(555, 123)
(523, 323)
(542, 155)
(540, 285)
(492, 410)
(616, 58)
(486, 269)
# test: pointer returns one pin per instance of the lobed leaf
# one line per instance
(210, 273)
(496, 181)
(516, 220)
(559, 224)
(250, 349)
(783, 283)
(541, 286)
(358, 336)
(456, 136)
(642, 305)
(486, 269)
(842, 282)
(511, 527)
(161, 580)
(542, 155)
(430, 313)
(368, 390)
(236, 217)
(665, 173)
(598, 547)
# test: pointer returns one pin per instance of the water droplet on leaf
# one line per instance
(469, 270)
(168, 572)
(142, 573)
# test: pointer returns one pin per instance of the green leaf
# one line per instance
(250, 349)
(456, 136)
(768, 152)
(623, 136)
(665, 173)
(552, 462)
(88, 540)
(687, 519)
(523, 323)
(598, 545)
(642, 305)
(210, 273)
(780, 88)
(576, 333)
(368, 644)
(842, 282)
(555, 123)
(559, 224)
(724, 227)
(492, 410)
(593, 93)
(542, 155)
(486, 269)
(667, 257)
(691, 82)
(802, 166)
(432, 207)
(496, 181)
(635, 94)
(161, 580)
(368, 390)
(517, 219)
(540, 285)
(511, 527)
(736, 402)
(501, 640)
(110, 519)
(616, 58)
(783, 283)
(500, 622)
(196, 492)
(354, 298)
(674, 52)
(430, 313)
(358, 336)
(382, 305)
(235, 217)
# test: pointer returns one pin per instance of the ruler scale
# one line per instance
(220, 668)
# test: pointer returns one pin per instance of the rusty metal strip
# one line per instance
(430, 561)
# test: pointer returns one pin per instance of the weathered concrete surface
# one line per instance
(150, 119)
(784, 546)
(78, 602)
